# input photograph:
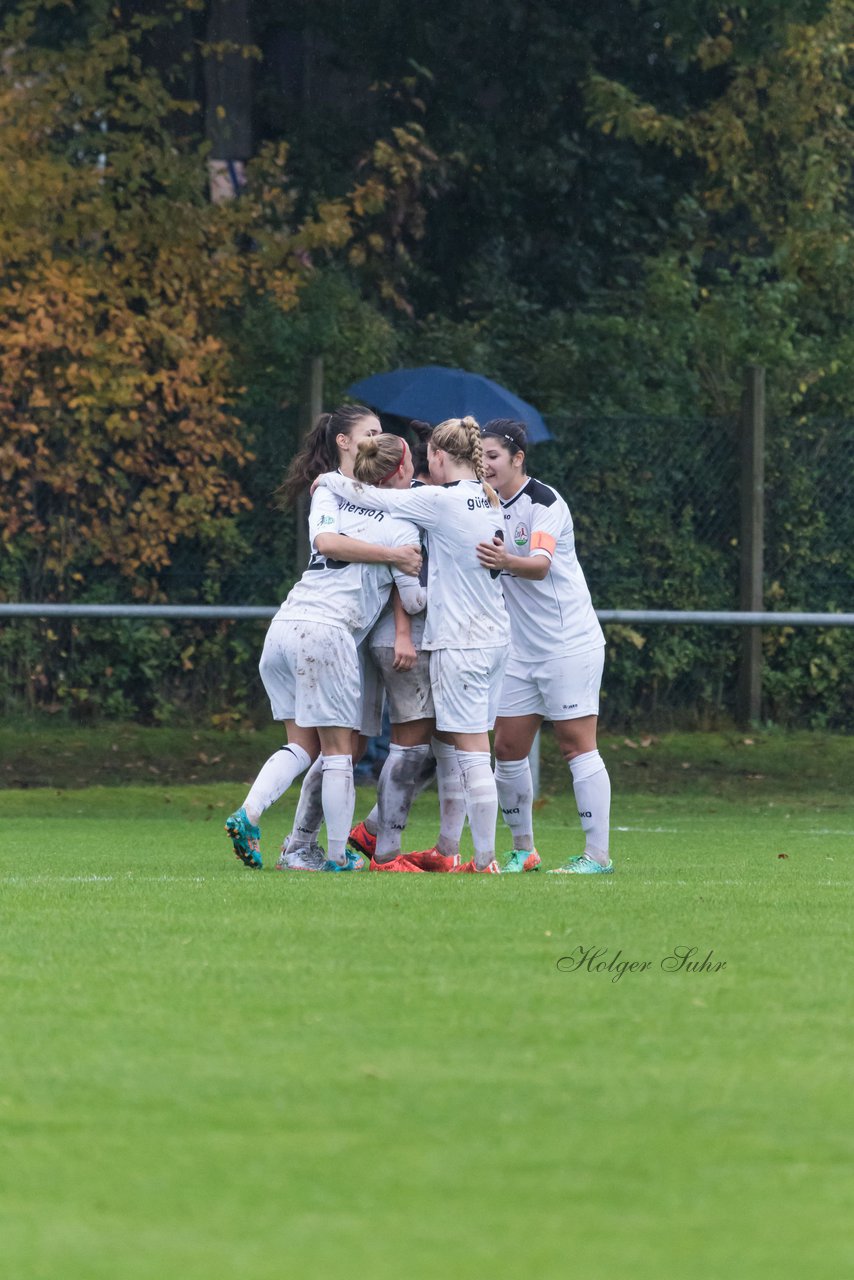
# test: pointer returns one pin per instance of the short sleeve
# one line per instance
(547, 525)
(421, 506)
(323, 514)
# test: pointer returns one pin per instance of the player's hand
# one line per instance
(492, 555)
(405, 654)
(408, 559)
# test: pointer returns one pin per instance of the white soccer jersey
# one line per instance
(344, 594)
(554, 615)
(466, 609)
(384, 632)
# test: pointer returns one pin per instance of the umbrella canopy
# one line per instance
(434, 393)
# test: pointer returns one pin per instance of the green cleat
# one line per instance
(521, 860)
(245, 839)
(582, 866)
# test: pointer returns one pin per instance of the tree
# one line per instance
(768, 226)
(117, 436)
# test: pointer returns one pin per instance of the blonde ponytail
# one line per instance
(476, 446)
(460, 437)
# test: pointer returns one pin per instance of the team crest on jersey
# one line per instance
(520, 534)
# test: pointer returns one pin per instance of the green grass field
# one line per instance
(207, 1072)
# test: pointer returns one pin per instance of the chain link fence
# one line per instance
(655, 503)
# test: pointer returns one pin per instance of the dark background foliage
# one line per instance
(578, 201)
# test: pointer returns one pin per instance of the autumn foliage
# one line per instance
(118, 438)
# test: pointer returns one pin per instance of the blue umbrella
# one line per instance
(434, 393)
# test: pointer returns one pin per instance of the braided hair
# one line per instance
(460, 437)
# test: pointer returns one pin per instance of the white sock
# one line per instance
(395, 792)
(481, 803)
(274, 779)
(426, 775)
(339, 801)
(309, 815)
(592, 788)
(452, 803)
(516, 798)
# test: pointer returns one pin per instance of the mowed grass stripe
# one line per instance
(212, 1072)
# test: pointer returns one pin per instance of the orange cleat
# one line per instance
(361, 840)
(400, 863)
(433, 860)
(492, 868)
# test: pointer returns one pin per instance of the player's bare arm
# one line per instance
(405, 653)
(340, 547)
(495, 557)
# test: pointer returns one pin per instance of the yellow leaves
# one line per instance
(619, 634)
(714, 51)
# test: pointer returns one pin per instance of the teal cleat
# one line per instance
(245, 839)
(582, 866)
(355, 862)
(521, 860)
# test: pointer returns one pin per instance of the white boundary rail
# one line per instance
(214, 612)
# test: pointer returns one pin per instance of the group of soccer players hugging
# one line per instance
(443, 582)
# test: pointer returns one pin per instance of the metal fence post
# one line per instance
(314, 408)
(752, 540)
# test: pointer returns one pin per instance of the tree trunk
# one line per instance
(228, 95)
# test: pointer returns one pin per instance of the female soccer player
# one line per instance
(309, 664)
(467, 630)
(556, 656)
(403, 667)
(415, 756)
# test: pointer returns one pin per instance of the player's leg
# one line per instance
(410, 763)
(363, 836)
(514, 738)
(338, 794)
(576, 738)
(470, 686)
(286, 764)
(280, 770)
(452, 799)
(308, 817)
(328, 696)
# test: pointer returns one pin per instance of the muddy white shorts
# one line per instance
(372, 697)
(467, 687)
(311, 673)
(408, 692)
(562, 688)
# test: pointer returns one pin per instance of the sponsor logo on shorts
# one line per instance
(520, 534)
(516, 810)
(571, 706)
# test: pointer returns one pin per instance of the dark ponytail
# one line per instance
(320, 451)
